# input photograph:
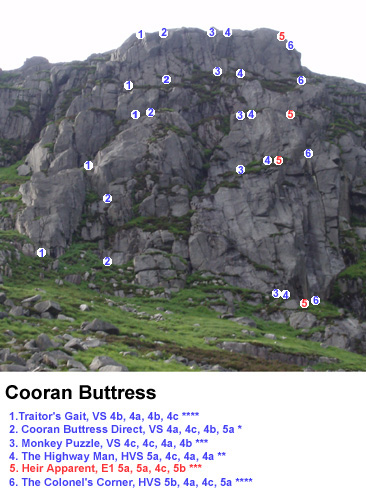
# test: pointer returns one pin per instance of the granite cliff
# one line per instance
(179, 208)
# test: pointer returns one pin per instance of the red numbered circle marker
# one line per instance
(290, 114)
(278, 160)
(281, 36)
(304, 303)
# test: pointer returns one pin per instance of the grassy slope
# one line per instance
(177, 331)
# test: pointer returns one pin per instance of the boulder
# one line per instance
(60, 316)
(302, 320)
(17, 311)
(74, 343)
(100, 325)
(13, 368)
(43, 342)
(74, 364)
(347, 334)
(24, 170)
(48, 306)
(113, 368)
(73, 278)
(102, 361)
(27, 302)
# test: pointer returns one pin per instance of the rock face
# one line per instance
(178, 205)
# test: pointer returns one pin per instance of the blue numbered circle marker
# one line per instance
(315, 300)
(150, 112)
(251, 114)
(211, 32)
(135, 114)
(301, 80)
(107, 198)
(308, 153)
(217, 71)
(128, 85)
(240, 169)
(163, 33)
(267, 160)
(88, 165)
(228, 32)
(240, 115)
(41, 252)
(276, 293)
(290, 45)
(166, 79)
(240, 73)
(140, 34)
(285, 294)
(107, 261)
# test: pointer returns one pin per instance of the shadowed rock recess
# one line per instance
(182, 221)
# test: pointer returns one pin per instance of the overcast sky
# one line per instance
(330, 39)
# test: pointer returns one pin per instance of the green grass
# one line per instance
(176, 225)
(49, 146)
(225, 184)
(9, 175)
(21, 107)
(356, 270)
(280, 86)
(9, 146)
(341, 125)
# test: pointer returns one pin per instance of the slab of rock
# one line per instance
(277, 317)
(2, 297)
(119, 293)
(74, 343)
(102, 361)
(50, 361)
(43, 342)
(113, 368)
(60, 316)
(101, 325)
(302, 320)
(6, 355)
(244, 321)
(13, 368)
(17, 311)
(91, 343)
(74, 364)
(347, 334)
(23, 170)
(84, 307)
(73, 278)
(290, 305)
(27, 302)
(267, 353)
(48, 306)
(46, 315)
